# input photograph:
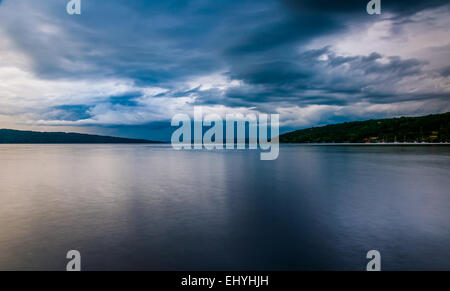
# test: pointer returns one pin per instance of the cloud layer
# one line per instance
(132, 63)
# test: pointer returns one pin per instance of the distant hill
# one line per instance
(431, 128)
(22, 137)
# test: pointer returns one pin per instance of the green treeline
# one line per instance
(17, 136)
(432, 128)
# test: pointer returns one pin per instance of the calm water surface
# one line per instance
(139, 207)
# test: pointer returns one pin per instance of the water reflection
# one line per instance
(149, 207)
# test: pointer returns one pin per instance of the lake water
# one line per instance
(140, 207)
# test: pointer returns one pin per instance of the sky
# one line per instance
(126, 67)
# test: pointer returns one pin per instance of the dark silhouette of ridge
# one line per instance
(430, 129)
(24, 137)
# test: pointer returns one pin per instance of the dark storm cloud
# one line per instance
(306, 79)
(150, 41)
(358, 6)
(129, 99)
(70, 112)
(307, 19)
(262, 44)
(275, 67)
(161, 42)
(445, 72)
(292, 29)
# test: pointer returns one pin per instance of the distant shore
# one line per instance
(368, 144)
(431, 129)
(9, 136)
